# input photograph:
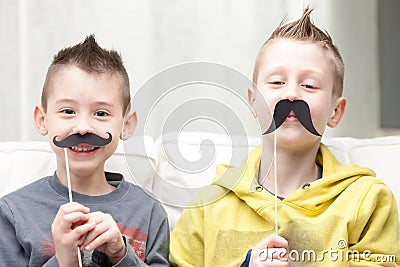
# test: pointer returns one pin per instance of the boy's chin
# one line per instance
(294, 137)
(85, 169)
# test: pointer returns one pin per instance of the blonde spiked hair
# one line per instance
(304, 29)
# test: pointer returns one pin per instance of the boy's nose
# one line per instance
(83, 126)
(292, 92)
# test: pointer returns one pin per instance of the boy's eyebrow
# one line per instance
(96, 103)
(104, 104)
(313, 71)
(65, 101)
(282, 68)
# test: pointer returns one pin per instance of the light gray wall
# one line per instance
(155, 35)
(389, 62)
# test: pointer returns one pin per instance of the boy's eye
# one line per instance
(101, 113)
(68, 111)
(309, 86)
(276, 83)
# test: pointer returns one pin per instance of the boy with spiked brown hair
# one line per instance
(85, 110)
(328, 214)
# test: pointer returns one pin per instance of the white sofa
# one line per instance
(174, 169)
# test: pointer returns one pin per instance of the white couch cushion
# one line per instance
(186, 164)
(25, 162)
(380, 154)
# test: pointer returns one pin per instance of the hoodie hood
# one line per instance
(243, 181)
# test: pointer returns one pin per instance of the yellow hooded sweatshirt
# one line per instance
(346, 218)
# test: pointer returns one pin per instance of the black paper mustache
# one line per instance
(299, 107)
(87, 138)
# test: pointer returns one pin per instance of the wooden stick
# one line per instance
(276, 187)
(70, 195)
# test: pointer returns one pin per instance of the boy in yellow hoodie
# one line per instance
(329, 214)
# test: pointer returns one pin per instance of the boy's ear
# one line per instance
(338, 112)
(40, 120)
(251, 99)
(130, 123)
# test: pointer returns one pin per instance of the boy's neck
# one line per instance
(94, 184)
(294, 169)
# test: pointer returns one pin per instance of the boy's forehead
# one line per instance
(73, 81)
(71, 71)
(281, 52)
(281, 46)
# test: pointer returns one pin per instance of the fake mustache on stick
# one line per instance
(87, 138)
(299, 107)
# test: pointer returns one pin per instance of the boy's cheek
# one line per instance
(264, 120)
(264, 112)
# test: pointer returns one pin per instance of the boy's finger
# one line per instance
(277, 263)
(277, 253)
(279, 242)
(71, 220)
(269, 257)
(80, 232)
(272, 253)
(73, 207)
(100, 229)
(98, 241)
(73, 238)
(97, 217)
(272, 241)
(81, 239)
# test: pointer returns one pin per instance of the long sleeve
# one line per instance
(130, 258)
(187, 239)
(376, 234)
(157, 245)
(157, 252)
(11, 251)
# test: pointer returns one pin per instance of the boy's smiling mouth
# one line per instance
(83, 148)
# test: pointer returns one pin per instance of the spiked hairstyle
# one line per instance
(91, 58)
(305, 30)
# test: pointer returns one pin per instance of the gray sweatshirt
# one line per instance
(26, 216)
